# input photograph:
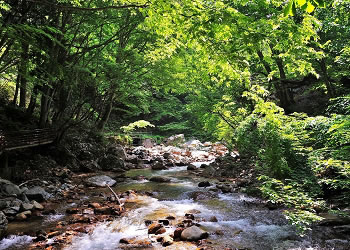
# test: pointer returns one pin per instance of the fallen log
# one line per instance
(115, 195)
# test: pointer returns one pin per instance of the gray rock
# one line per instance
(100, 181)
(160, 179)
(23, 216)
(159, 165)
(166, 155)
(191, 167)
(37, 193)
(89, 166)
(111, 162)
(8, 188)
(37, 205)
(193, 233)
(118, 151)
(11, 211)
(167, 241)
(4, 203)
(16, 203)
(27, 206)
(3, 224)
(175, 140)
(204, 184)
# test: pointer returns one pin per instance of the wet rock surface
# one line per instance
(100, 181)
(193, 233)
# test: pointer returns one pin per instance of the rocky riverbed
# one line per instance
(180, 195)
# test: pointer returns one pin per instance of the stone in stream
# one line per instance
(204, 184)
(155, 228)
(23, 216)
(213, 219)
(204, 165)
(177, 232)
(37, 193)
(193, 233)
(37, 205)
(167, 241)
(158, 165)
(100, 181)
(164, 222)
(191, 167)
(160, 179)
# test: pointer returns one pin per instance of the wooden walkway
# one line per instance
(10, 140)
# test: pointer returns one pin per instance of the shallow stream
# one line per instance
(242, 222)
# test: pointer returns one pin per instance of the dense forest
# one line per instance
(269, 79)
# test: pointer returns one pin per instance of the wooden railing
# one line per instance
(10, 140)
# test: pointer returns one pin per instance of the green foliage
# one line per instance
(302, 207)
(135, 125)
(339, 105)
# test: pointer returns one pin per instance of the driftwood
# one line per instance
(115, 195)
(26, 182)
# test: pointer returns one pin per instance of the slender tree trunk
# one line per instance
(107, 113)
(23, 72)
(32, 102)
(18, 80)
(45, 106)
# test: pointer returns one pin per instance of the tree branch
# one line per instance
(67, 7)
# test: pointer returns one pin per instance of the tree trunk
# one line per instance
(106, 114)
(32, 102)
(284, 94)
(23, 70)
(18, 80)
(44, 107)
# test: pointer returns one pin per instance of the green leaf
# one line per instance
(288, 10)
(310, 8)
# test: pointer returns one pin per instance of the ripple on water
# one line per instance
(54, 217)
(15, 242)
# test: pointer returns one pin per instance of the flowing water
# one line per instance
(240, 225)
(242, 222)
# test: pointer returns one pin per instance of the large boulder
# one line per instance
(160, 179)
(8, 188)
(117, 150)
(100, 181)
(175, 140)
(193, 233)
(3, 224)
(89, 166)
(158, 165)
(37, 193)
(191, 167)
(111, 162)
